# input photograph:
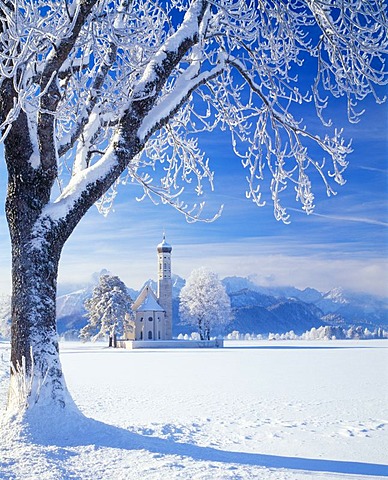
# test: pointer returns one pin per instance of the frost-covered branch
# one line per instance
(98, 93)
(105, 85)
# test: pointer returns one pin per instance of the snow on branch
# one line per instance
(115, 90)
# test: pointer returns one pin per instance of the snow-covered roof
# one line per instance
(147, 301)
(164, 246)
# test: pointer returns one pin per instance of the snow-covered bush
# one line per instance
(194, 336)
(235, 335)
(321, 333)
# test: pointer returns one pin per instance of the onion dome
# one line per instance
(164, 246)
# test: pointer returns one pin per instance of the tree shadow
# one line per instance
(77, 430)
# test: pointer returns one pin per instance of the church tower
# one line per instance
(165, 284)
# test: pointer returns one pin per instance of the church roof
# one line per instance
(147, 301)
(164, 246)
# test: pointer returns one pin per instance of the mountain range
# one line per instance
(257, 309)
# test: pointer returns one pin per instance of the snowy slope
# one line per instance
(177, 284)
(257, 309)
(289, 411)
(235, 284)
(355, 308)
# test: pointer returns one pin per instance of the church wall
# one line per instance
(146, 327)
(161, 324)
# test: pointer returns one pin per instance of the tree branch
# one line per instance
(86, 187)
(93, 99)
(51, 98)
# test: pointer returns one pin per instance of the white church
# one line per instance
(153, 312)
(152, 325)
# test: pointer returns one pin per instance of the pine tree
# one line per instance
(108, 309)
(98, 93)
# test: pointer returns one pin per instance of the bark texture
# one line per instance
(36, 374)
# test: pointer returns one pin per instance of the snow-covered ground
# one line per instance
(253, 410)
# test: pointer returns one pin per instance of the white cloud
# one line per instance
(282, 268)
(344, 218)
(270, 263)
(129, 250)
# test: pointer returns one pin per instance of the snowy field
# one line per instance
(253, 410)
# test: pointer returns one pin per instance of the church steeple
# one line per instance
(165, 283)
(164, 246)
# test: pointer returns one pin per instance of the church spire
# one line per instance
(164, 250)
(164, 246)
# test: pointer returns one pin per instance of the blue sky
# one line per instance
(344, 243)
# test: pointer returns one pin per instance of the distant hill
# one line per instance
(235, 284)
(336, 307)
(356, 308)
(258, 312)
(257, 309)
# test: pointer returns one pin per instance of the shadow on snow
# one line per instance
(78, 430)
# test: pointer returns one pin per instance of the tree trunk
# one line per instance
(200, 329)
(113, 340)
(37, 241)
(36, 373)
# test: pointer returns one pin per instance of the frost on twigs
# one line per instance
(204, 303)
(181, 159)
(96, 93)
(113, 89)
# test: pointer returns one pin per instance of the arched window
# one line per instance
(141, 335)
(159, 335)
(141, 319)
(150, 335)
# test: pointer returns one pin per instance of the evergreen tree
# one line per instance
(94, 93)
(108, 309)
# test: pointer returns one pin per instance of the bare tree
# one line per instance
(204, 303)
(94, 93)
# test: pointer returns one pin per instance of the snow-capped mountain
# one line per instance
(73, 303)
(256, 312)
(257, 309)
(177, 284)
(71, 310)
(336, 295)
(236, 284)
(355, 308)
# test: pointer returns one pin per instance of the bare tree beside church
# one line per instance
(204, 303)
(96, 93)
